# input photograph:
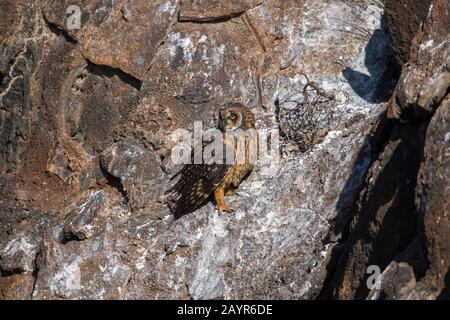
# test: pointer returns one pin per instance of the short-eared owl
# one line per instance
(199, 181)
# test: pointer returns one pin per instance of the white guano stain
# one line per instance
(67, 280)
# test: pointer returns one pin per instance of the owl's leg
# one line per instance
(219, 196)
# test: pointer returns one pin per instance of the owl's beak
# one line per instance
(222, 121)
(223, 113)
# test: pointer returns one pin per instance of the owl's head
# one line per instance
(234, 116)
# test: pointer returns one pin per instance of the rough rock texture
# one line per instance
(117, 33)
(401, 222)
(405, 18)
(209, 10)
(425, 78)
(86, 117)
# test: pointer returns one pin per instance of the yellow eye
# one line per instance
(232, 116)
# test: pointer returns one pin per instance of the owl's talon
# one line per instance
(226, 209)
(197, 183)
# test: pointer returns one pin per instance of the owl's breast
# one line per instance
(236, 175)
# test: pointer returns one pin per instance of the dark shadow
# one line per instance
(180, 212)
(394, 189)
(347, 203)
(114, 182)
(383, 209)
(445, 294)
(109, 72)
(60, 32)
(381, 65)
(211, 20)
(68, 235)
(377, 221)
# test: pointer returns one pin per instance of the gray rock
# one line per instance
(86, 153)
(138, 171)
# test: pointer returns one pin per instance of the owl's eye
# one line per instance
(232, 117)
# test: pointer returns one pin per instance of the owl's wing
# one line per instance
(197, 182)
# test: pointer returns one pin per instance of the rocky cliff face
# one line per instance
(85, 139)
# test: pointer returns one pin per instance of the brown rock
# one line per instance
(19, 255)
(197, 67)
(85, 140)
(66, 276)
(8, 18)
(16, 287)
(19, 60)
(402, 209)
(208, 10)
(87, 217)
(385, 218)
(138, 171)
(426, 77)
(101, 99)
(433, 198)
(395, 283)
(143, 26)
(405, 18)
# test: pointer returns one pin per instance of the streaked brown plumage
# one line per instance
(199, 181)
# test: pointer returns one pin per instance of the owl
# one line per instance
(197, 182)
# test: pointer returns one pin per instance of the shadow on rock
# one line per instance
(382, 223)
(445, 294)
(381, 65)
